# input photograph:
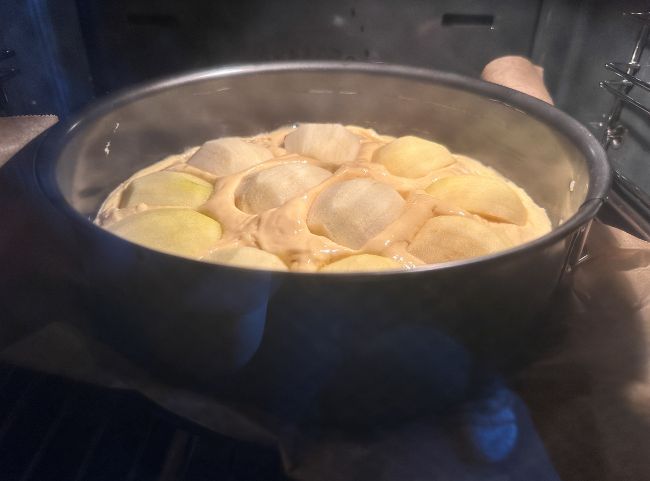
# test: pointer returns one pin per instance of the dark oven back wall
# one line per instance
(129, 41)
(43, 67)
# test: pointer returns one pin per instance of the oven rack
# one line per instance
(620, 89)
(625, 191)
(6, 73)
(54, 429)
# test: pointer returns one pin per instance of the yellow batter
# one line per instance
(284, 232)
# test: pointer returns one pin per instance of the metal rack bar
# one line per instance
(626, 200)
(613, 132)
(624, 99)
(5, 74)
(629, 78)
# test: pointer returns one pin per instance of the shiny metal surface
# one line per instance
(574, 40)
(613, 134)
(197, 322)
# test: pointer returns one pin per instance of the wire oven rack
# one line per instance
(627, 83)
(5, 74)
(620, 89)
(53, 429)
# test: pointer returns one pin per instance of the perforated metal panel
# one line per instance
(132, 40)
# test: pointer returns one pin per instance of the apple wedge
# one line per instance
(274, 186)
(246, 257)
(353, 211)
(485, 196)
(330, 143)
(447, 238)
(412, 156)
(228, 155)
(182, 232)
(166, 188)
(362, 263)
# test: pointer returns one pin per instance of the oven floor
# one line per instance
(54, 429)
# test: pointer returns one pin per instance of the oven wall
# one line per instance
(49, 56)
(70, 51)
(574, 41)
(132, 40)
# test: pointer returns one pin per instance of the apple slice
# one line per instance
(183, 232)
(246, 257)
(274, 186)
(166, 188)
(228, 155)
(362, 263)
(485, 196)
(353, 211)
(447, 238)
(330, 143)
(412, 156)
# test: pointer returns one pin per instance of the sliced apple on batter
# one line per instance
(228, 155)
(330, 143)
(166, 188)
(246, 257)
(274, 186)
(447, 238)
(362, 263)
(412, 156)
(485, 196)
(182, 232)
(353, 211)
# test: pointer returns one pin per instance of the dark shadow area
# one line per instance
(52, 429)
